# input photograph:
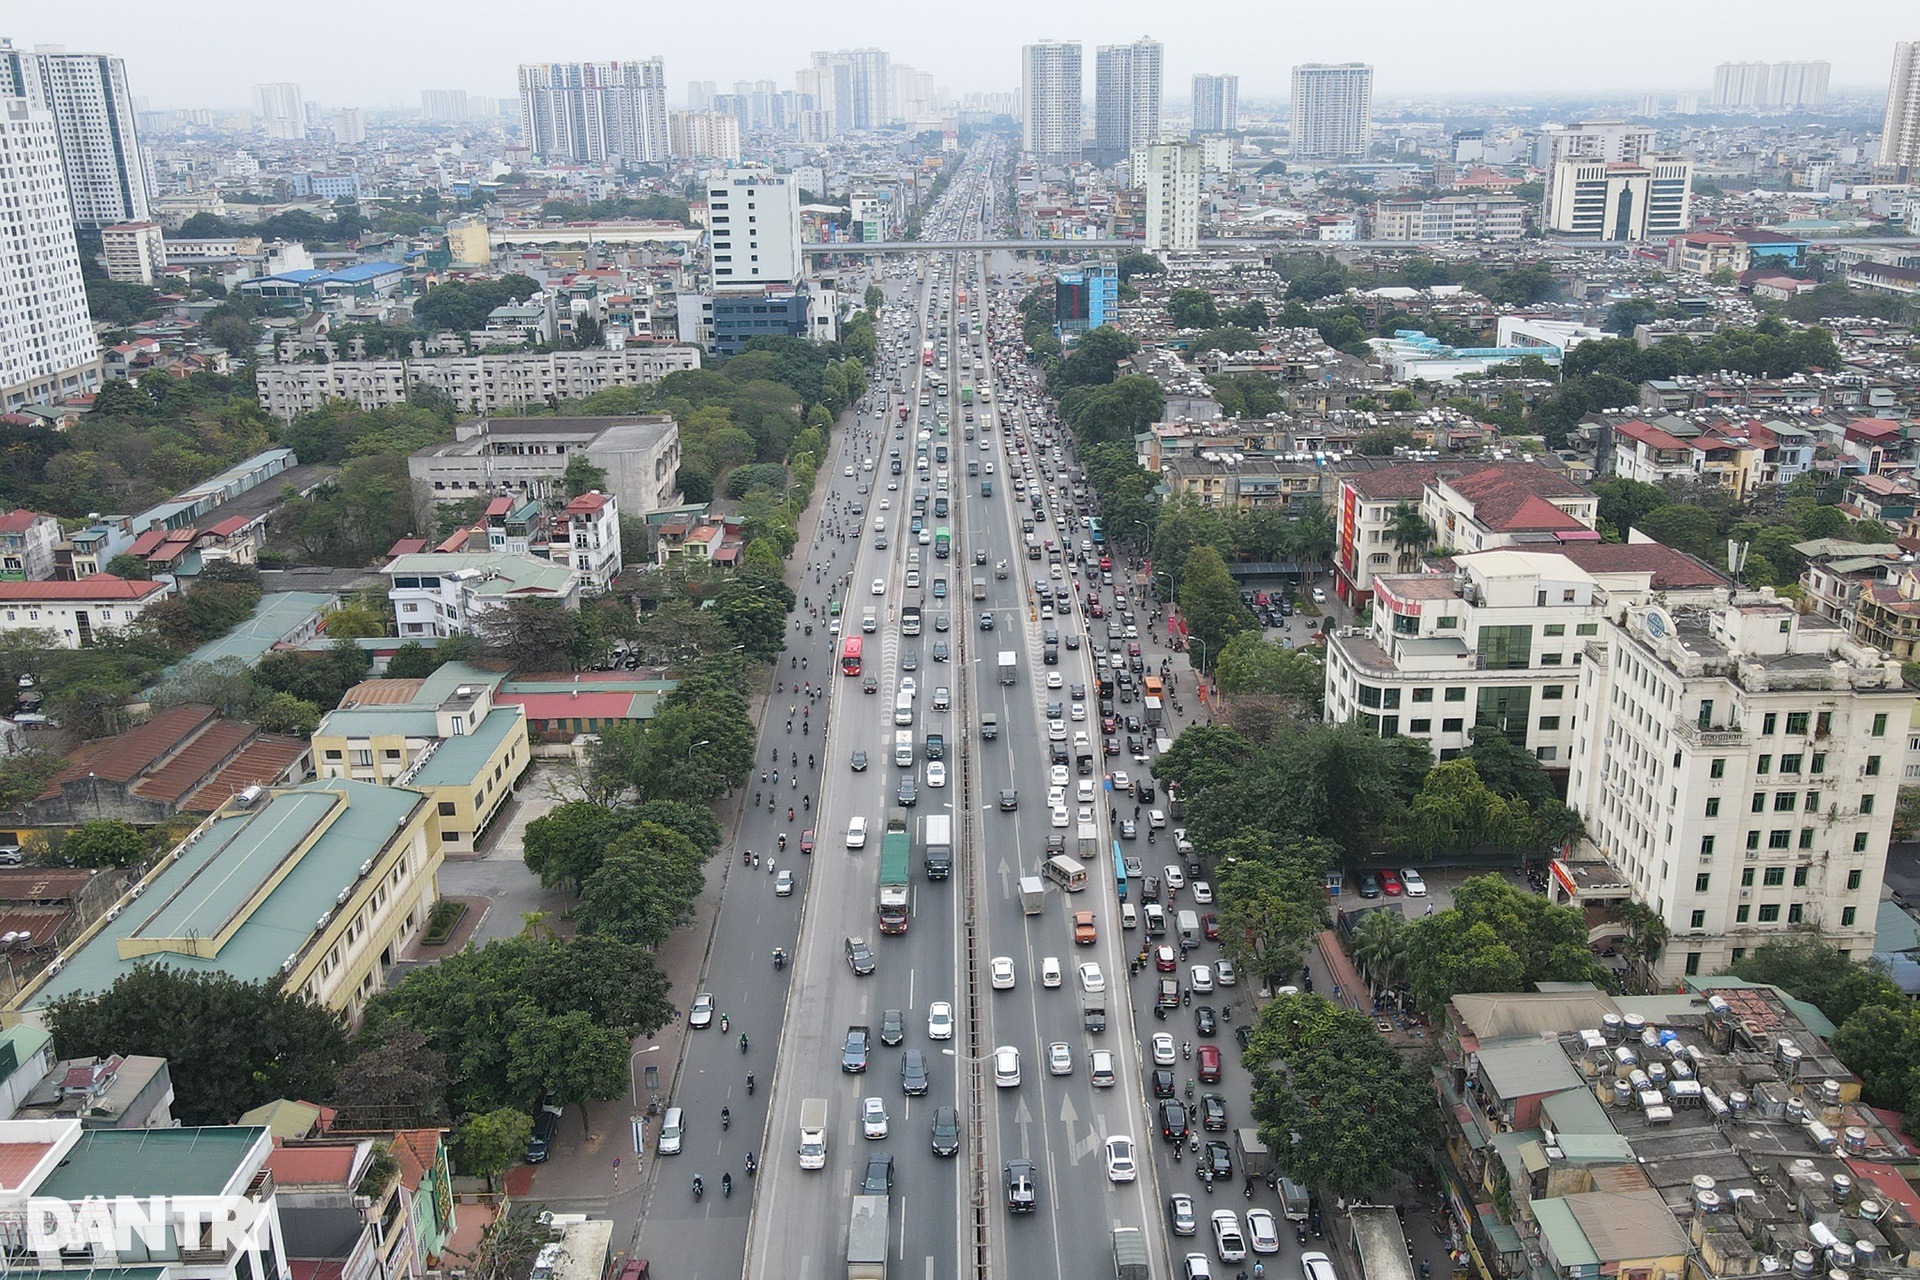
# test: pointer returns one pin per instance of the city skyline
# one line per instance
(1417, 51)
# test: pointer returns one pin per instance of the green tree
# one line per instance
(1410, 534)
(565, 845)
(1496, 938)
(487, 1145)
(568, 1055)
(1139, 264)
(1379, 947)
(1684, 528)
(582, 476)
(235, 1044)
(876, 297)
(1095, 359)
(25, 774)
(1229, 338)
(1210, 603)
(645, 888)
(1269, 913)
(1203, 756)
(1455, 812)
(394, 1080)
(1814, 970)
(538, 635)
(411, 661)
(1880, 1043)
(1192, 309)
(356, 622)
(1252, 666)
(101, 843)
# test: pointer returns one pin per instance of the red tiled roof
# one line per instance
(329, 1164)
(263, 761)
(1671, 569)
(195, 760)
(128, 755)
(19, 520)
(1537, 515)
(1407, 481)
(101, 586)
(1499, 490)
(17, 1160)
(1873, 428)
(228, 527)
(587, 502)
(1651, 436)
(407, 547)
(147, 542)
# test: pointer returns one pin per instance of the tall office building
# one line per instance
(1332, 110)
(282, 112)
(704, 135)
(1216, 104)
(443, 105)
(1900, 132)
(1779, 85)
(595, 112)
(47, 348)
(108, 180)
(1172, 180)
(854, 87)
(1050, 100)
(349, 126)
(1598, 199)
(1126, 98)
(1739, 84)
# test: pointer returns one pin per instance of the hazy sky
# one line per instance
(381, 54)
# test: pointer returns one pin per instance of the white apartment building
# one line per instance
(1332, 110)
(1050, 101)
(1602, 200)
(135, 251)
(109, 177)
(640, 455)
(282, 111)
(1738, 764)
(595, 112)
(703, 135)
(1172, 180)
(1126, 97)
(1614, 141)
(47, 347)
(476, 384)
(1900, 128)
(753, 222)
(438, 593)
(74, 613)
(349, 126)
(1216, 104)
(587, 536)
(1216, 154)
(1466, 217)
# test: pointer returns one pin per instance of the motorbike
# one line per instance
(726, 1184)
(743, 1042)
(783, 835)
(1299, 1233)
(749, 1084)
(753, 1165)
(699, 1187)
(779, 959)
(726, 1118)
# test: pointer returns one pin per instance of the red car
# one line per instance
(1210, 925)
(1208, 1056)
(1097, 609)
(806, 841)
(1163, 959)
(1390, 883)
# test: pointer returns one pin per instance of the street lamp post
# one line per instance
(633, 1077)
(704, 742)
(1203, 656)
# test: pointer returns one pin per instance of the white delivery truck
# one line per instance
(813, 1133)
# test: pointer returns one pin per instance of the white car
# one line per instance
(1060, 815)
(1263, 1232)
(1077, 712)
(1056, 797)
(1059, 1059)
(1086, 814)
(1006, 1067)
(873, 1118)
(849, 473)
(1164, 1054)
(1223, 973)
(857, 832)
(1202, 893)
(1001, 969)
(1411, 881)
(1050, 971)
(936, 774)
(1200, 978)
(1120, 780)
(939, 1021)
(1092, 981)
(1058, 776)
(1174, 876)
(879, 586)
(1196, 1266)
(1053, 680)
(1180, 841)
(909, 686)
(783, 884)
(1056, 731)
(701, 1014)
(1120, 1165)
(1084, 794)
(1228, 1243)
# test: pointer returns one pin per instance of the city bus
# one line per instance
(1119, 871)
(926, 353)
(1098, 538)
(943, 542)
(850, 656)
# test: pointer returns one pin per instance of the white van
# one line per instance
(903, 749)
(1129, 916)
(903, 708)
(1069, 873)
(1189, 927)
(1100, 1068)
(672, 1132)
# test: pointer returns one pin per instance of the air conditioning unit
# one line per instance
(1745, 894)
(113, 913)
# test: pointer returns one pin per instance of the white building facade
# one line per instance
(1602, 200)
(1332, 110)
(1050, 101)
(1126, 97)
(1172, 180)
(135, 252)
(109, 178)
(47, 347)
(1216, 104)
(595, 112)
(753, 220)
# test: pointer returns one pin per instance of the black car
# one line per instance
(914, 1080)
(1173, 1120)
(853, 1054)
(909, 661)
(1023, 1195)
(1009, 799)
(879, 1181)
(940, 651)
(893, 1028)
(1078, 693)
(986, 622)
(1073, 639)
(1204, 1023)
(1218, 1158)
(946, 1131)
(1162, 1083)
(1143, 791)
(1056, 845)
(908, 795)
(859, 762)
(859, 956)
(1213, 1112)
(1369, 885)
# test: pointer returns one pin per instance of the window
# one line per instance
(1550, 659)
(447, 808)
(1859, 846)
(1753, 842)
(1700, 882)
(363, 758)
(1778, 838)
(1823, 723)
(1507, 648)
(1586, 629)
(1423, 695)
(1706, 846)
(1773, 877)
(1451, 724)
(1763, 765)
(1713, 806)
(1880, 724)
(1873, 766)
(1846, 916)
(1806, 837)
(1742, 914)
(1800, 877)
(1549, 723)
(1769, 912)
(1554, 692)
(1813, 802)
(1853, 878)
(1546, 753)
(1693, 962)
(1819, 762)
(1746, 875)
(1420, 726)
(1456, 695)
(1794, 912)
(1790, 763)
(1759, 804)
(1768, 723)
(1718, 769)
(1785, 801)
(1554, 629)
(1698, 920)
(1866, 803)
(1797, 722)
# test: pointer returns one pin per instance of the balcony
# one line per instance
(1692, 733)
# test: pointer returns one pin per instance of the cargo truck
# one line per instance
(1151, 715)
(1033, 895)
(1129, 1255)
(1295, 1200)
(910, 620)
(1255, 1160)
(989, 726)
(936, 832)
(1094, 1011)
(896, 889)
(979, 588)
(813, 1133)
(1009, 667)
(867, 1239)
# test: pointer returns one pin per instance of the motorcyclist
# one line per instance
(726, 1184)
(783, 835)
(743, 1042)
(698, 1186)
(726, 1117)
